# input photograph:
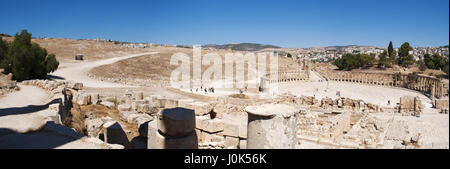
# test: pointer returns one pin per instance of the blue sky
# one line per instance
(284, 23)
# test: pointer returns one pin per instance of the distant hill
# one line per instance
(241, 46)
(5, 35)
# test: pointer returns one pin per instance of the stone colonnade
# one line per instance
(423, 83)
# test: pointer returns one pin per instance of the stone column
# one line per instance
(174, 129)
(441, 89)
(433, 93)
(271, 126)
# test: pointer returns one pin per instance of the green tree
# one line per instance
(438, 61)
(445, 69)
(366, 60)
(289, 55)
(353, 61)
(51, 64)
(404, 58)
(384, 61)
(428, 61)
(27, 60)
(390, 50)
(3, 51)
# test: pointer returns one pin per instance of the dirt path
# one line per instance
(27, 95)
(18, 109)
(78, 71)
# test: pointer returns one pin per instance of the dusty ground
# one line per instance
(158, 67)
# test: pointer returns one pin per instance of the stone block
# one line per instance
(441, 103)
(176, 122)
(114, 134)
(160, 141)
(84, 99)
(93, 127)
(108, 104)
(77, 86)
(212, 125)
(200, 108)
(124, 107)
(231, 142)
(142, 124)
(242, 144)
(128, 116)
(136, 103)
(95, 98)
(171, 103)
(231, 129)
(199, 121)
(184, 102)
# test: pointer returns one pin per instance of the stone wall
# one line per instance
(339, 104)
(410, 105)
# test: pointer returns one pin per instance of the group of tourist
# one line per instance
(206, 90)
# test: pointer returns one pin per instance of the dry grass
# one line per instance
(79, 116)
(66, 49)
(158, 67)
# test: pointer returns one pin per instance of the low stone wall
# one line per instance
(339, 104)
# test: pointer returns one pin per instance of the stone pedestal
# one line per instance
(271, 126)
(176, 122)
(173, 129)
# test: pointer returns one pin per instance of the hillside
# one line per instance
(241, 46)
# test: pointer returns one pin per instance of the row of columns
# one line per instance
(423, 84)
